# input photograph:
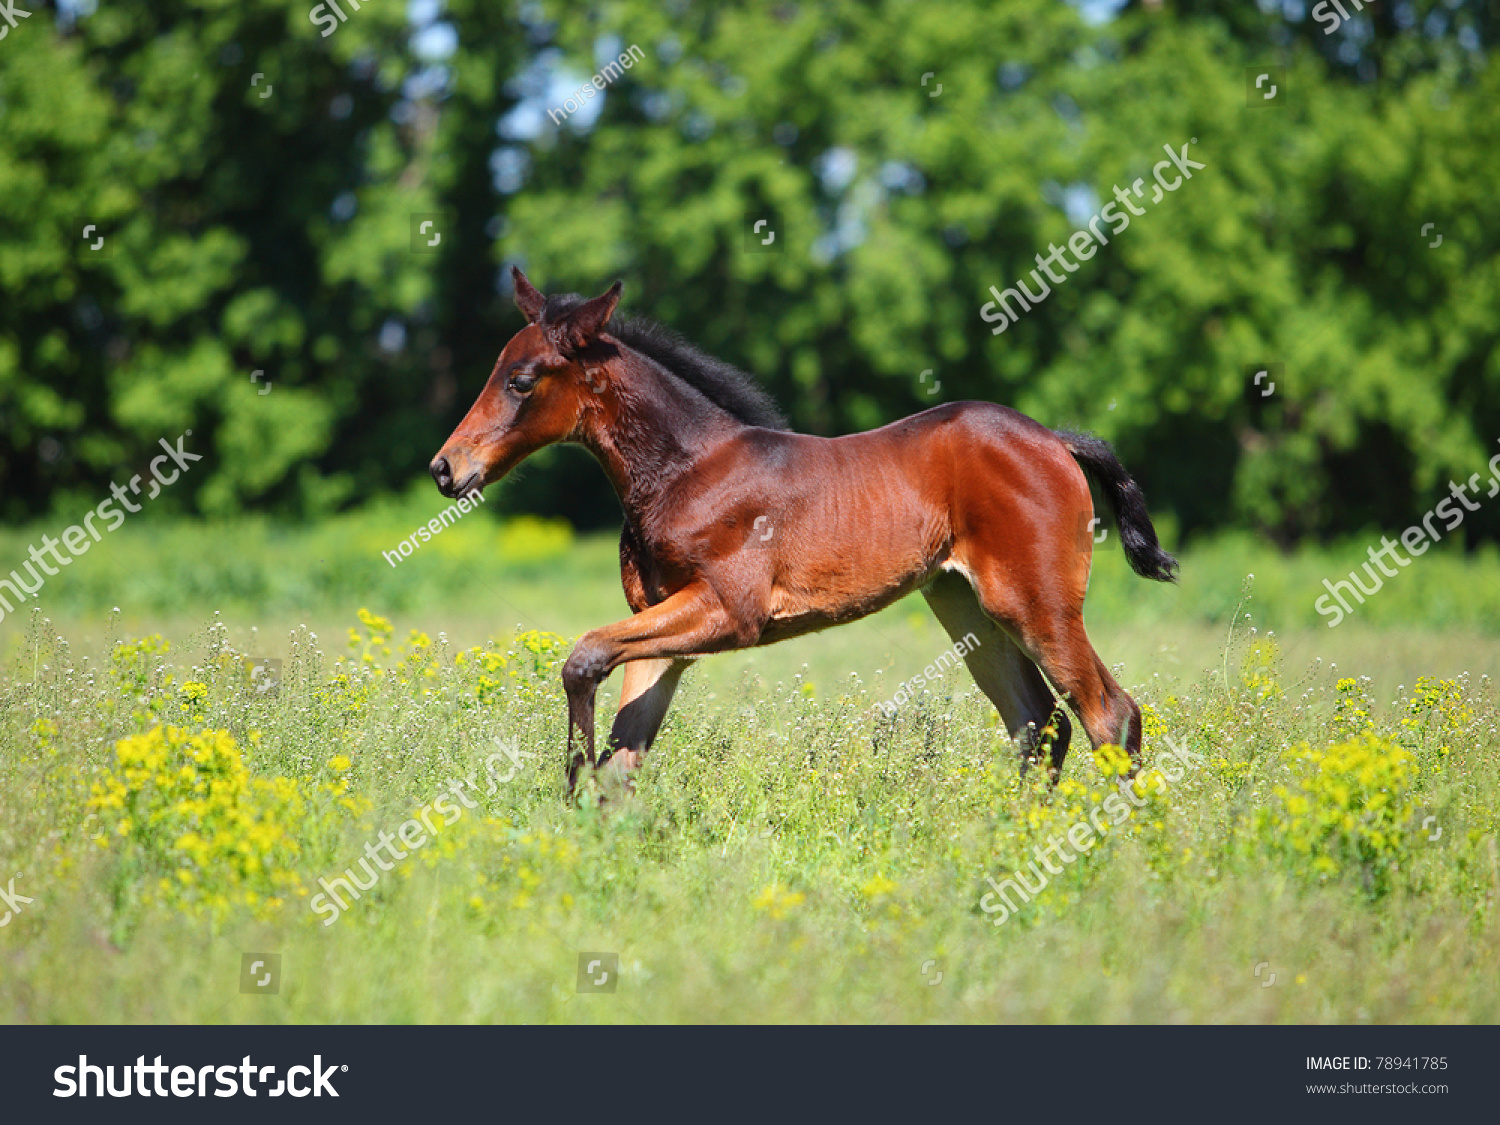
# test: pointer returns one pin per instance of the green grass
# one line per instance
(787, 855)
(480, 579)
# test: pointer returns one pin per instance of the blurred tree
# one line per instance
(254, 182)
(908, 156)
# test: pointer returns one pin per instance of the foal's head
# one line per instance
(542, 382)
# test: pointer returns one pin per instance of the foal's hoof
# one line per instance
(615, 776)
(610, 780)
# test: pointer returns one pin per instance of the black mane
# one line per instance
(721, 383)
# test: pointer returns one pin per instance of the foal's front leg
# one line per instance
(690, 622)
(645, 695)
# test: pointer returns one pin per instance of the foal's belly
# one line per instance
(793, 615)
(851, 552)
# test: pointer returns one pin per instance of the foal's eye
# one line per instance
(523, 382)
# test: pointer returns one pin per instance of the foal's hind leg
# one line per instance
(1047, 620)
(1062, 647)
(1002, 671)
(645, 696)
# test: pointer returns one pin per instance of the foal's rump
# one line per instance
(1012, 478)
(1015, 500)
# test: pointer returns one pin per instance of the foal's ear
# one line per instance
(528, 300)
(581, 326)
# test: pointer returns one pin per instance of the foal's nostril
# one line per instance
(441, 473)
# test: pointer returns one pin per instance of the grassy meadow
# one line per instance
(788, 855)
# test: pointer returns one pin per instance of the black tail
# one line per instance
(1136, 532)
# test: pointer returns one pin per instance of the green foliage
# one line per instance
(275, 233)
(247, 227)
(191, 826)
(535, 569)
(257, 566)
(1345, 808)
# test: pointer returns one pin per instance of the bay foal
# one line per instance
(740, 533)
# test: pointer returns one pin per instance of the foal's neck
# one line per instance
(650, 427)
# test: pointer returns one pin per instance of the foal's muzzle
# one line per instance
(458, 473)
(442, 473)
